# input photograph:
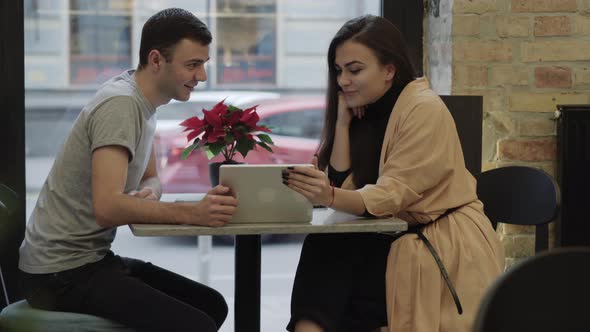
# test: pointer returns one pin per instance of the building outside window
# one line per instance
(100, 39)
(246, 49)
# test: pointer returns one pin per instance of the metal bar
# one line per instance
(4, 287)
(541, 238)
(247, 283)
(205, 247)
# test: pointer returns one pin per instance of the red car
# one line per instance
(296, 122)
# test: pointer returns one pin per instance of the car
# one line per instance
(296, 122)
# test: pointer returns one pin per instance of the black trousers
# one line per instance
(129, 291)
(340, 282)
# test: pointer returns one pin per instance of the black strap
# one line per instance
(441, 266)
(418, 230)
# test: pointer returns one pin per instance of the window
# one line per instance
(270, 53)
(247, 42)
(100, 39)
(306, 124)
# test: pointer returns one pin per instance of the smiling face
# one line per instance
(360, 75)
(183, 70)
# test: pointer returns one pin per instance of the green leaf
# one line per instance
(266, 147)
(210, 154)
(189, 149)
(217, 147)
(244, 145)
(241, 129)
(231, 110)
(265, 138)
(229, 138)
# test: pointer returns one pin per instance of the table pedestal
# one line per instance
(247, 283)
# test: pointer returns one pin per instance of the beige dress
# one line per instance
(422, 174)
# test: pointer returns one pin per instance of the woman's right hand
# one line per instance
(345, 113)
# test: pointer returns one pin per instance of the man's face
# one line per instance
(184, 69)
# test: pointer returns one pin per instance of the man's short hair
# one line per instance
(166, 28)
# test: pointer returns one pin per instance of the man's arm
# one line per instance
(113, 207)
(150, 186)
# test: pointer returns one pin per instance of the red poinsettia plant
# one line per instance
(226, 129)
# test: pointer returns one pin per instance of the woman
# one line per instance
(390, 148)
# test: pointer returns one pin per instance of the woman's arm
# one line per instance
(315, 186)
(349, 201)
(340, 157)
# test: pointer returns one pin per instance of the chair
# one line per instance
(520, 195)
(19, 315)
(547, 292)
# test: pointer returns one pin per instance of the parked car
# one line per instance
(296, 123)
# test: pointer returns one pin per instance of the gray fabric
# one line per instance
(21, 317)
(62, 232)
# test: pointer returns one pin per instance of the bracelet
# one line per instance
(332, 202)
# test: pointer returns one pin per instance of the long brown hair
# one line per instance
(388, 45)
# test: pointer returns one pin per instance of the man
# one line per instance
(104, 177)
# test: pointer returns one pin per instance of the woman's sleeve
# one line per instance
(421, 156)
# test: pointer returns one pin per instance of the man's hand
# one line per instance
(217, 207)
(144, 193)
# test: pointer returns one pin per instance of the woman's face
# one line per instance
(360, 75)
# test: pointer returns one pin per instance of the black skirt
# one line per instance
(340, 282)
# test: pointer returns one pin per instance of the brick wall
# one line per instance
(524, 57)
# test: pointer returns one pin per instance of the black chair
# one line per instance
(520, 195)
(16, 314)
(547, 292)
(8, 232)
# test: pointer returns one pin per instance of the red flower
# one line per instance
(226, 129)
(250, 117)
(195, 125)
(212, 118)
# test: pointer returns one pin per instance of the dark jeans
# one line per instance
(340, 282)
(129, 291)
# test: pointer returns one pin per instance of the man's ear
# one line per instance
(390, 69)
(155, 59)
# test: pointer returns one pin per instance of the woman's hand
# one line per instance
(309, 182)
(345, 113)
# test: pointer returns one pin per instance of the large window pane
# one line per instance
(246, 32)
(270, 53)
(100, 39)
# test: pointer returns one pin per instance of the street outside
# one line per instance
(181, 255)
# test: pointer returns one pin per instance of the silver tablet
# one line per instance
(262, 196)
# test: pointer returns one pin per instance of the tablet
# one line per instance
(262, 196)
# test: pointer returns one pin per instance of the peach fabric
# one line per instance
(421, 175)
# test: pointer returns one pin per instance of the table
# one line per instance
(247, 247)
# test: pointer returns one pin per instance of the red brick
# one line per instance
(537, 6)
(553, 26)
(527, 150)
(553, 77)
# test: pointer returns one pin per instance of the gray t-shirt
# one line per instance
(62, 232)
